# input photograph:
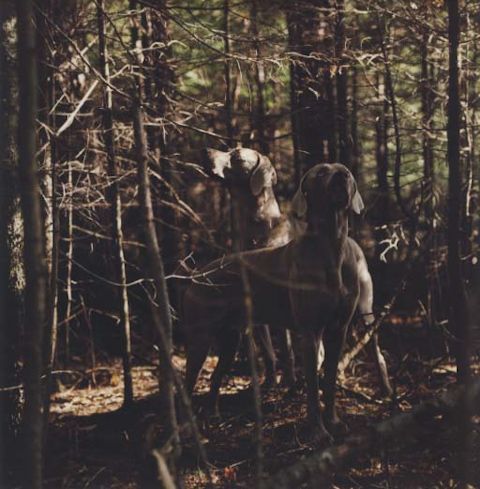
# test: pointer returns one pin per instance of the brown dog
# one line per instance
(311, 284)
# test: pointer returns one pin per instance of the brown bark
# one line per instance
(227, 73)
(344, 141)
(34, 252)
(161, 317)
(390, 94)
(251, 351)
(458, 317)
(458, 314)
(467, 142)
(5, 428)
(259, 121)
(69, 257)
(356, 159)
(161, 308)
(427, 99)
(381, 153)
(312, 90)
(10, 289)
(158, 83)
(114, 200)
(47, 98)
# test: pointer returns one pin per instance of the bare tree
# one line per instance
(312, 91)
(381, 152)
(161, 305)
(49, 181)
(11, 266)
(227, 73)
(344, 141)
(116, 207)
(34, 252)
(458, 302)
(356, 159)
(259, 115)
(427, 104)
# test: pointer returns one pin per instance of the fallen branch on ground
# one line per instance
(403, 429)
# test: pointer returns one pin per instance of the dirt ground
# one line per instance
(91, 444)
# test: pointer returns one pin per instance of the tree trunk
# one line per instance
(69, 259)
(160, 303)
(458, 317)
(355, 165)
(428, 167)
(382, 212)
(312, 91)
(258, 126)
(390, 94)
(11, 268)
(158, 82)
(114, 200)
(467, 144)
(227, 73)
(161, 307)
(381, 154)
(344, 154)
(34, 253)
(47, 98)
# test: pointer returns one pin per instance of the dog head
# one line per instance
(325, 187)
(240, 167)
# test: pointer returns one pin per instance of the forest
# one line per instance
(239, 244)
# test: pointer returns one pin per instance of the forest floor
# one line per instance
(92, 444)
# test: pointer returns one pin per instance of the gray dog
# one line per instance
(311, 285)
(249, 177)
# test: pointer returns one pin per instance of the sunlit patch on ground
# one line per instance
(90, 448)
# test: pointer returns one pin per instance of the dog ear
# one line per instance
(263, 175)
(298, 211)
(299, 204)
(215, 162)
(357, 201)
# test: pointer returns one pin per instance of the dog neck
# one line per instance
(258, 217)
(330, 230)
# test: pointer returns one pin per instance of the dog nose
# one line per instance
(339, 177)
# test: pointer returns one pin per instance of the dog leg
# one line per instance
(365, 307)
(381, 365)
(197, 351)
(269, 356)
(333, 341)
(288, 358)
(309, 350)
(228, 345)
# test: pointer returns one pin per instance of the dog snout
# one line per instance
(339, 188)
(339, 179)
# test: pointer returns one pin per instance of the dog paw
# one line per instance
(269, 383)
(211, 411)
(319, 435)
(289, 383)
(294, 388)
(336, 426)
